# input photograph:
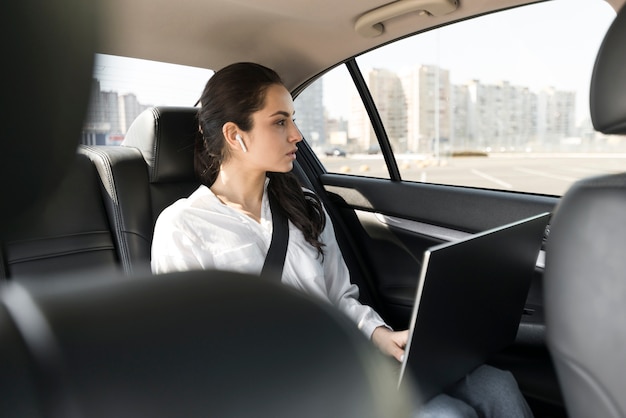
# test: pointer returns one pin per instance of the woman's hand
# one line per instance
(391, 343)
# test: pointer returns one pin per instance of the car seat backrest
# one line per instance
(193, 345)
(608, 85)
(67, 232)
(585, 281)
(126, 192)
(151, 170)
(165, 136)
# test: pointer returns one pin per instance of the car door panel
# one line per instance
(392, 223)
(395, 228)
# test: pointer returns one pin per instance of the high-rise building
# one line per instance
(557, 111)
(130, 108)
(435, 109)
(388, 93)
(426, 113)
(109, 116)
(102, 116)
(310, 116)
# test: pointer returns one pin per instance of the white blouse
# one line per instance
(200, 232)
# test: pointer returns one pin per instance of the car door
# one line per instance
(430, 159)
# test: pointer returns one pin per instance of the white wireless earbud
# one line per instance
(243, 146)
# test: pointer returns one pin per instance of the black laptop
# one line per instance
(469, 302)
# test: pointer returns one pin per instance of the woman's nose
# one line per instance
(296, 135)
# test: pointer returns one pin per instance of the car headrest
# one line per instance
(166, 138)
(50, 46)
(584, 292)
(608, 83)
(191, 344)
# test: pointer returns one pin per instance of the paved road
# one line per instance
(535, 173)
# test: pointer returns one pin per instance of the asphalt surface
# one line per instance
(550, 174)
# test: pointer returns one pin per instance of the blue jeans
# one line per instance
(487, 392)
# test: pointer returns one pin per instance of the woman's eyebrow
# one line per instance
(281, 112)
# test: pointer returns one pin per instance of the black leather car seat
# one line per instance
(191, 344)
(125, 191)
(41, 231)
(67, 232)
(151, 170)
(165, 136)
(585, 275)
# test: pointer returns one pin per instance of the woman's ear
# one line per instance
(233, 137)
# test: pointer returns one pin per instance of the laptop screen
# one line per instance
(469, 301)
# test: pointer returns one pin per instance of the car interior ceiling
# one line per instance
(101, 343)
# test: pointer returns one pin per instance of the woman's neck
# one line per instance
(240, 189)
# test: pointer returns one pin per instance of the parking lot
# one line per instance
(550, 174)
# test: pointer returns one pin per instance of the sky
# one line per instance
(526, 46)
(154, 83)
(550, 47)
(476, 48)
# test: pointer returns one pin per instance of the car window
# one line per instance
(123, 87)
(339, 130)
(493, 102)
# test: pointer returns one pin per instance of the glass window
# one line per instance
(124, 87)
(494, 102)
(333, 120)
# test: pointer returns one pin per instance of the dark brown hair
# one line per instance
(233, 94)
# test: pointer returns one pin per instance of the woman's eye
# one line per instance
(283, 122)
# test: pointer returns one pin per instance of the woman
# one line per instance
(245, 152)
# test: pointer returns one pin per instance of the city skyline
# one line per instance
(111, 114)
(470, 50)
(472, 116)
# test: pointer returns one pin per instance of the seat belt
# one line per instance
(275, 258)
